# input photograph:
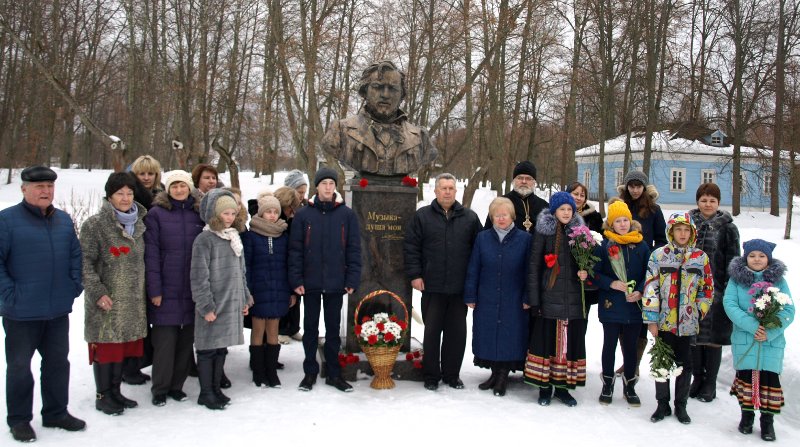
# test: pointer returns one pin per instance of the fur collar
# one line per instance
(721, 217)
(162, 200)
(546, 223)
(588, 208)
(739, 272)
(337, 200)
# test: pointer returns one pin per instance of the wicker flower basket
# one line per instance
(381, 358)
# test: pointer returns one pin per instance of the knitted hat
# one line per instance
(758, 245)
(561, 198)
(178, 176)
(119, 180)
(638, 176)
(214, 202)
(616, 210)
(267, 201)
(525, 167)
(38, 174)
(295, 179)
(325, 173)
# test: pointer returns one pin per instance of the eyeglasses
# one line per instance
(525, 178)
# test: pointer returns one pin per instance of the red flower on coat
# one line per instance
(124, 249)
(372, 339)
(613, 251)
(550, 260)
(363, 183)
(114, 250)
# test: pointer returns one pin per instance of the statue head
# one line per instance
(383, 87)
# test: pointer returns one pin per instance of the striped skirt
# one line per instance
(769, 394)
(556, 354)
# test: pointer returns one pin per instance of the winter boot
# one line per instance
(630, 392)
(681, 414)
(563, 395)
(219, 374)
(662, 396)
(767, 429)
(545, 394)
(102, 380)
(698, 371)
(258, 366)
(608, 389)
(501, 382)
(271, 353)
(489, 383)
(205, 373)
(712, 359)
(116, 383)
(682, 384)
(746, 423)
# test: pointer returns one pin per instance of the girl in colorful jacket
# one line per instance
(757, 351)
(678, 292)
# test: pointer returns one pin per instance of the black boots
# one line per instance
(563, 395)
(501, 381)
(712, 357)
(682, 384)
(767, 429)
(663, 410)
(257, 364)
(271, 353)
(309, 380)
(489, 383)
(608, 390)
(209, 376)
(630, 392)
(116, 383)
(545, 395)
(698, 371)
(746, 423)
(103, 378)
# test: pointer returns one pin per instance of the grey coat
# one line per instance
(219, 286)
(113, 265)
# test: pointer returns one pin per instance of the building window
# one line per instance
(587, 178)
(709, 176)
(677, 177)
(767, 188)
(618, 176)
(716, 140)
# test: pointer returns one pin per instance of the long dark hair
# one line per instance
(645, 205)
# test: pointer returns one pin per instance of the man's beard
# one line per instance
(524, 191)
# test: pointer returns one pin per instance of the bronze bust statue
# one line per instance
(379, 139)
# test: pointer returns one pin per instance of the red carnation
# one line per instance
(388, 336)
(550, 260)
(372, 339)
(417, 354)
(409, 181)
(342, 363)
(114, 250)
(393, 318)
(380, 326)
(403, 325)
(341, 357)
(418, 364)
(352, 358)
(365, 319)
(363, 183)
(409, 356)
(358, 329)
(124, 249)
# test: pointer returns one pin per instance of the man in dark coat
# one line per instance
(527, 205)
(40, 276)
(437, 247)
(324, 263)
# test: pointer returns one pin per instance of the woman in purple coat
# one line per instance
(172, 225)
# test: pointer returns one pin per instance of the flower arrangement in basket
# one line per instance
(381, 336)
(662, 362)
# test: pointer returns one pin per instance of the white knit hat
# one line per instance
(178, 176)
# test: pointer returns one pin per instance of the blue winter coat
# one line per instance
(267, 273)
(325, 247)
(172, 227)
(40, 263)
(766, 355)
(496, 285)
(612, 306)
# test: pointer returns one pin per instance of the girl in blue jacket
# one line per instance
(619, 308)
(757, 351)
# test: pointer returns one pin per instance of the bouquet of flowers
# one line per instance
(767, 302)
(618, 266)
(662, 362)
(581, 245)
(381, 329)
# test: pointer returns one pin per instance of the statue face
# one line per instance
(384, 94)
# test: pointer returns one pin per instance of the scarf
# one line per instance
(128, 219)
(631, 237)
(266, 228)
(501, 233)
(229, 234)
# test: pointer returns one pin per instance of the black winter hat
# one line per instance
(38, 174)
(325, 173)
(525, 167)
(119, 180)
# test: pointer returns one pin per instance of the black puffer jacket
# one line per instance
(563, 300)
(718, 237)
(437, 246)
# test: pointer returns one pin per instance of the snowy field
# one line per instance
(408, 413)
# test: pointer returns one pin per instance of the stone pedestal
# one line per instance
(384, 208)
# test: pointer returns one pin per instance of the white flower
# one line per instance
(597, 237)
(773, 290)
(663, 372)
(782, 298)
(677, 371)
(382, 317)
(761, 304)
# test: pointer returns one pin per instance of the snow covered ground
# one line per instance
(408, 413)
